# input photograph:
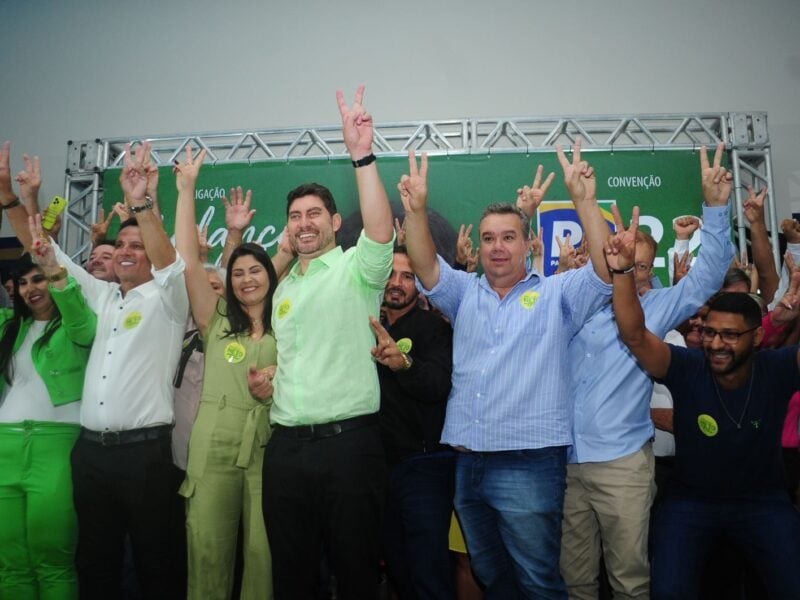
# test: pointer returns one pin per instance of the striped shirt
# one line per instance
(510, 370)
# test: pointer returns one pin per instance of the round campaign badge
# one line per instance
(284, 308)
(132, 320)
(234, 352)
(404, 345)
(529, 299)
(707, 425)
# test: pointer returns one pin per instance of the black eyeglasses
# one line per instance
(727, 336)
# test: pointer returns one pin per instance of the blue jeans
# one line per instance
(419, 503)
(510, 506)
(766, 529)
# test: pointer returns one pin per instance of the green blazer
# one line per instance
(61, 363)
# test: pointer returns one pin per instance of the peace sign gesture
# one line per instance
(413, 187)
(578, 174)
(133, 178)
(357, 126)
(186, 172)
(621, 246)
(386, 351)
(715, 178)
(529, 198)
(754, 205)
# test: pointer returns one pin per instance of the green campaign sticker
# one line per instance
(234, 352)
(707, 425)
(404, 345)
(284, 308)
(529, 299)
(132, 320)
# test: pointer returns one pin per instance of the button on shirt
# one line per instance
(136, 350)
(321, 323)
(510, 371)
(611, 392)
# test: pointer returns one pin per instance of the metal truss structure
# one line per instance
(744, 134)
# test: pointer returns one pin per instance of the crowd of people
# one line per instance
(297, 426)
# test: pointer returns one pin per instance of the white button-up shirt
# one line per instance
(136, 349)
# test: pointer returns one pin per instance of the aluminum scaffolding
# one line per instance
(744, 134)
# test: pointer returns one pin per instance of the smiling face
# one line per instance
(32, 289)
(503, 249)
(249, 280)
(101, 263)
(131, 265)
(311, 228)
(725, 358)
(216, 283)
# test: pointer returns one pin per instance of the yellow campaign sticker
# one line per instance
(132, 320)
(404, 345)
(234, 352)
(284, 308)
(529, 299)
(707, 425)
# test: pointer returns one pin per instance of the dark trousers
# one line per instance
(419, 503)
(766, 530)
(128, 489)
(329, 491)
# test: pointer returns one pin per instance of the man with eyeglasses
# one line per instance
(730, 404)
(610, 478)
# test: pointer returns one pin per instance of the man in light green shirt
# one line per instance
(324, 465)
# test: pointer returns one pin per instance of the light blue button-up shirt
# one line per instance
(510, 371)
(611, 392)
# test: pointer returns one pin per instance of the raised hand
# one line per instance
(681, 264)
(133, 179)
(566, 254)
(791, 229)
(400, 232)
(100, 229)
(537, 243)
(357, 126)
(186, 172)
(529, 198)
(151, 173)
(788, 307)
(621, 246)
(30, 180)
(6, 191)
(715, 178)
(238, 213)
(202, 243)
(685, 226)
(413, 187)
(754, 205)
(464, 249)
(578, 175)
(41, 248)
(386, 351)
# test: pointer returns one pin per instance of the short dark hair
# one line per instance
(506, 208)
(104, 242)
(312, 189)
(736, 275)
(401, 249)
(129, 222)
(738, 303)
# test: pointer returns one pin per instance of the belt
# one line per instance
(323, 430)
(128, 436)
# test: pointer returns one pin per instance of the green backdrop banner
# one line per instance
(664, 184)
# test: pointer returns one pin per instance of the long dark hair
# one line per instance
(237, 317)
(21, 312)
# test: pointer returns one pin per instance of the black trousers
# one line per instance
(129, 489)
(325, 493)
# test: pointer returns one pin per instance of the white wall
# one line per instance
(100, 68)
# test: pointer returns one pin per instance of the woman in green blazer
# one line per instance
(45, 342)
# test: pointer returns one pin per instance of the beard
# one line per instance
(402, 299)
(737, 360)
